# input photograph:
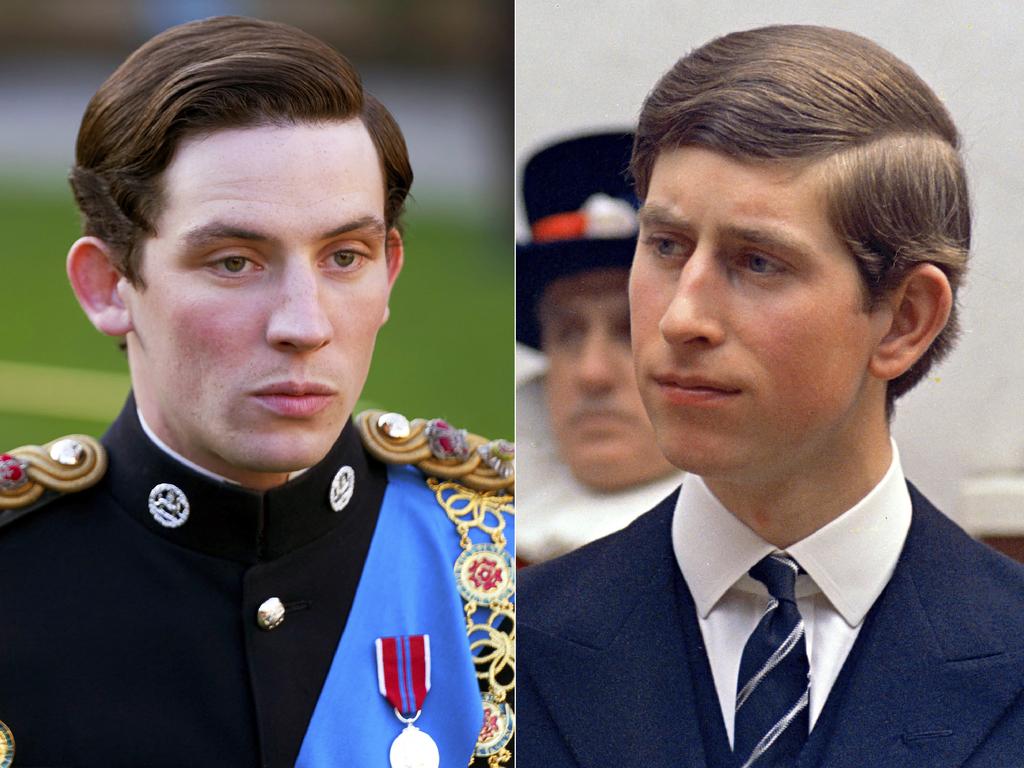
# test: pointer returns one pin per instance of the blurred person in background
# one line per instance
(242, 572)
(587, 451)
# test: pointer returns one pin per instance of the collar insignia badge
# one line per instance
(168, 505)
(342, 487)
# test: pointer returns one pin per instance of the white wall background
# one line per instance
(587, 64)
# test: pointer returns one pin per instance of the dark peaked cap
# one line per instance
(558, 180)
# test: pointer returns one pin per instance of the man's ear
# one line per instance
(95, 281)
(394, 252)
(918, 310)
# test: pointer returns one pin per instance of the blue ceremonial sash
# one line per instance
(407, 587)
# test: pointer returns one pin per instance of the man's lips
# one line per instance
(296, 398)
(695, 390)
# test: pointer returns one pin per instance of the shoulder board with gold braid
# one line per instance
(65, 465)
(473, 481)
(440, 450)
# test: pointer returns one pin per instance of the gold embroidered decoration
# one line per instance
(485, 577)
(393, 439)
(66, 465)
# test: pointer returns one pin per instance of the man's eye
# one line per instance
(346, 259)
(762, 265)
(663, 246)
(234, 264)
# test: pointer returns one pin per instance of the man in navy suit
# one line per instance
(804, 228)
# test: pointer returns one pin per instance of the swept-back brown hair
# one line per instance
(888, 150)
(224, 72)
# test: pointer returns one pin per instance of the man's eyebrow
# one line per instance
(654, 215)
(216, 231)
(770, 237)
(372, 225)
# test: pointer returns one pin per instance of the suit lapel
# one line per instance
(925, 681)
(620, 689)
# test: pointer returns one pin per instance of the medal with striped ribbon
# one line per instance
(403, 677)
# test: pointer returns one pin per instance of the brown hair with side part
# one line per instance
(224, 72)
(887, 149)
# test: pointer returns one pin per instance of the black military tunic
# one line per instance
(127, 643)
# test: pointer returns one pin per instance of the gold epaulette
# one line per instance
(65, 465)
(439, 450)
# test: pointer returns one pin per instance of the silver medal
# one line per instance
(414, 749)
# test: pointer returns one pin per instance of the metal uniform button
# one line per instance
(394, 425)
(67, 452)
(270, 614)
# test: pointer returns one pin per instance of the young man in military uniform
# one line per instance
(223, 580)
(804, 229)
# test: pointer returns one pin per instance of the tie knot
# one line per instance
(778, 573)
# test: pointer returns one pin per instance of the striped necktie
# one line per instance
(773, 687)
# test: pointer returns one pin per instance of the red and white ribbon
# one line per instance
(403, 671)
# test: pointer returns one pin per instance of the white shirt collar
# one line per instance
(177, 456)
(850, 559)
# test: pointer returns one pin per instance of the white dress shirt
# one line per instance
(848, 562)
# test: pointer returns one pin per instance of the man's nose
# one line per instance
(597, 365)
(694, 314)
(299, 320)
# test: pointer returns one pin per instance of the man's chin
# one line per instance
(711, 459)
(279, 453)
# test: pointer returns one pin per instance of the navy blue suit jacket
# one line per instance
(935, 678)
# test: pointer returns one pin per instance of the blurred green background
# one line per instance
(447, 349)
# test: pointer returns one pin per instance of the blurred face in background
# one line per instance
(596, 413)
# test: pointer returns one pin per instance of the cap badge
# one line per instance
(601, 217)
(342, 486)
(168, 505)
